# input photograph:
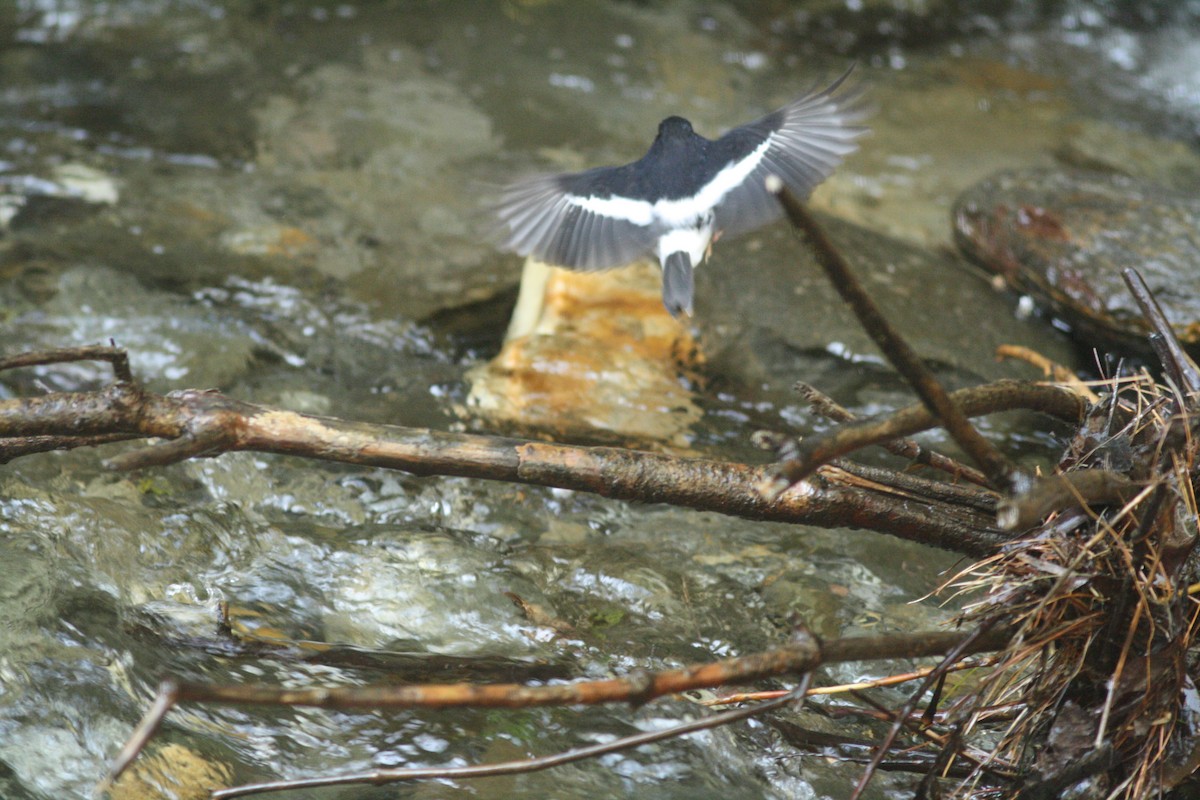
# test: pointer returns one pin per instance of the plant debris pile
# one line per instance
(1095, 693)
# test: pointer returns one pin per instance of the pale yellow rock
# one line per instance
(591, 354)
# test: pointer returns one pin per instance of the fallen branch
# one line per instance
(801, 656)
(380, 777)
(202, 423)
(1005, 395)
(825, 406)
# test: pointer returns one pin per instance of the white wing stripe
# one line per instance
(682, 211)
(639, 212)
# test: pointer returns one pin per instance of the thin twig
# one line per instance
(965, 647)
(957, 495)
(383, 776)
(884, 479)
(911, 449)
(1178, 365)
(1050, 369)
(17, 447)
(794, 658)
(1004, 395)
(116, 356)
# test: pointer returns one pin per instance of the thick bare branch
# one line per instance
(207, 423)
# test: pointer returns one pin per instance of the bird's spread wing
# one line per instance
(582, 220)
(608, 217)
(801, 143)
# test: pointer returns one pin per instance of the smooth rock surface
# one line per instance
(765, 294)
(1065, 237)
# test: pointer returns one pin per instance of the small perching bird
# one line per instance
(685, 193)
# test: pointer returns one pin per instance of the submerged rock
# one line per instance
(1064, 238)
(765, 294)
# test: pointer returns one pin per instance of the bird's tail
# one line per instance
(677, 283)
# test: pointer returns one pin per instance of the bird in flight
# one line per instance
(685, 193)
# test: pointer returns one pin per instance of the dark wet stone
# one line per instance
(1064, 238)
(47, 210)
(763, 303)
(131, 81)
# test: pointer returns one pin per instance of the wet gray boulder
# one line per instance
(1064, 237)
(766, 309)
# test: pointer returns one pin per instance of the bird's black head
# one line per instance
(675, 128)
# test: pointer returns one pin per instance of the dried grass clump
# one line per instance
(1094, 697)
